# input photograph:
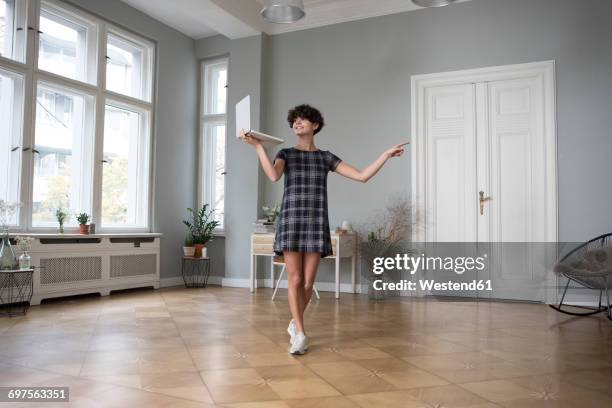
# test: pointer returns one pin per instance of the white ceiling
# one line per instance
(240, 18)
(195, 18)
(326, 12)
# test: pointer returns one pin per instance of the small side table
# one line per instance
(16, 288)
(195, 271)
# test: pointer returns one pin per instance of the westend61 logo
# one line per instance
(413, 264)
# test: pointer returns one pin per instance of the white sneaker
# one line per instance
(292, 330)
(300, 344)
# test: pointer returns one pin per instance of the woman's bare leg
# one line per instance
(310, 266)
(295, 286)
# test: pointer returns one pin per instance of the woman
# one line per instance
(303, 236)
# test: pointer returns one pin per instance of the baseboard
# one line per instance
(235, 283)
(321, 286)
(582, 297)
(267, 283)
(263, 283)
(584, 304)
(178, 281)
(325, 286)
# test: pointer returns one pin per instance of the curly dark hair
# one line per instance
(306, 112)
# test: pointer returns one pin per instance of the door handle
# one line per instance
(482, 199)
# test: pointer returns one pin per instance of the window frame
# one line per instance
(20, 15)
(17, 125)
(73, 16)
(206, 169)
(145, 150)
(89, 128)
(149, 52)
(33, 75)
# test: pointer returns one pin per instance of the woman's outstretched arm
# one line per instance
(348, 171)
(273, 171)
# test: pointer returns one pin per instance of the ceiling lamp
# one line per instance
(433, 3)
(282, 11)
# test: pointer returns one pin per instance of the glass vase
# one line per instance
(25, 261)
(8, 260)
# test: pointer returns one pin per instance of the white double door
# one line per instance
(484, 174)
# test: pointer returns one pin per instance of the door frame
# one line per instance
(544, 70)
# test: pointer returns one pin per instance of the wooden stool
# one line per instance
(279, 260)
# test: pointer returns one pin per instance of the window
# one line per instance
(213, 126)
(214, 152)
(87, 145)
(215, 80)
(11, 100)
(128, 65)
(125, 177)
(63, 154)
(12, 29)
(67, 44)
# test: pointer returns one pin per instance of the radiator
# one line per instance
(74, 265)
(70, 269)
(132, 265)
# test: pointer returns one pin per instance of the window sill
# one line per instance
(77, 235)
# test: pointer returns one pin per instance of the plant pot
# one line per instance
(204, 252)
(198, 250)
(189, 251)
(83, 228)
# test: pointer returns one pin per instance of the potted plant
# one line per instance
(188, 248)
(271, 213)
(385, 235)
(83, 219)
(201, 226)
(61, 215)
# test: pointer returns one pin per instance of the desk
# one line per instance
(343, 246)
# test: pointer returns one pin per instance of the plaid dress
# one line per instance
(303, 224)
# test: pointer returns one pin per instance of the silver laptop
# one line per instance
(243, 121)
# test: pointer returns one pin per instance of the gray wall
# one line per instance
(358, 74)
(242, 183)
(211, 48)
(243, 191)
(175, 124)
